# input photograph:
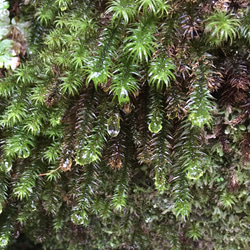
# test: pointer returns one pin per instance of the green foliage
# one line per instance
(63, 4)
(161, 72)
(245, 27)
(5, 234)
(13, 114)
(45, 14)
(222, 28)
(194, 231)
(193, 164)
(140, 42)
(126, 126)
(19, 145)
(182, 164)
(4, 185)
(121, 190)
(156, 113)
(160, 158)
(124, 82)
(228, 200)
(155, 7)
(70, 83)
(199, 104)
(26, 182)
(182, 206)
(122, 10)
(99, 66)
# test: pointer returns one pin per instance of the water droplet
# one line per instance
(194, 173)
(80, 160)
(113, 125)
(79, 218)
(227, 130)
(86, 158)
(63, 5)
(25, 153)
(8, 166)
(4, 240)
(155, 125)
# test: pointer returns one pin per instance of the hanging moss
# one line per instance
(126, 124)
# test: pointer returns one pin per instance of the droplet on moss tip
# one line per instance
(63, 6)
(155, 125)
(113, 125)
(79, 218)
(25, 153)
(194, 174)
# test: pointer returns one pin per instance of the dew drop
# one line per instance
(80, 161)
(81, 157)
(4, 240)
(155, 125)
(113, 125)
(194, 174)
(79, 219)
(26, 153)
(63, 6)
(8, 166)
